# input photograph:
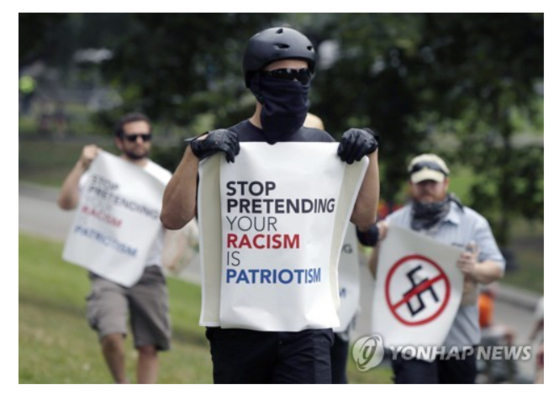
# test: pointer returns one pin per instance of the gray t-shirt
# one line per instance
(459, 228)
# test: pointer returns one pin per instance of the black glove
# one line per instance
(356, 143)
(218, 140)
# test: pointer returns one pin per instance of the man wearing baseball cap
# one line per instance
(427, 167)
(435, 212)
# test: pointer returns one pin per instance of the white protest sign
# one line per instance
(418, 289)
(281, 225)
(117, 220)
(348, 278)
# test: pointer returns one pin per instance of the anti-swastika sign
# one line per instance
(418, 289)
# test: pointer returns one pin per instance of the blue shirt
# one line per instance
(458, 228)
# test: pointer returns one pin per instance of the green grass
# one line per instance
(56, 344)
(48, 162)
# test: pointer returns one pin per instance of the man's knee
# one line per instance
(112, 341)
(147, 351)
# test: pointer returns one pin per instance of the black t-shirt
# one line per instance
(249, 133)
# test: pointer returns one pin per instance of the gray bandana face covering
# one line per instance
(427, 215)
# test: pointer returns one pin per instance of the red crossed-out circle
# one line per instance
(440, 277)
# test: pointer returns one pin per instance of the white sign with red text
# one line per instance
(117, 220)
(282, 224)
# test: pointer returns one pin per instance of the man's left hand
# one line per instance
(468, 259)
(356, 143)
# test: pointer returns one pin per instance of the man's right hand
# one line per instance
(214, 141)
(69, 192)
(89, 152)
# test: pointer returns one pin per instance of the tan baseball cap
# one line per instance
(427, 167)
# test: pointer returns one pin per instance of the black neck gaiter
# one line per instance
(284, 106)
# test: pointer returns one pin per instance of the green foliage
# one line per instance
(168, 157)
(184, 64)
(488, 69)
(369, 86)
(418, 77)
(472, 80)
(37, 34)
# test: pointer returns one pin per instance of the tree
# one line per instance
(370, 84)
(177, 67)
(416, 77)
(485, 69)
(412, 77)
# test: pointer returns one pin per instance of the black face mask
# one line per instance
(284, 106)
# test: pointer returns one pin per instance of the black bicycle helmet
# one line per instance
(274, 44)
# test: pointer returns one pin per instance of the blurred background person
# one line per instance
(435, 212)
(109, 303)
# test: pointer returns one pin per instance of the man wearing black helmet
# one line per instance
(278, 66)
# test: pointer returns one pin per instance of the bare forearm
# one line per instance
(70, 192)
(487, 271)
(365, 209)
(69, 195)
(179, 199)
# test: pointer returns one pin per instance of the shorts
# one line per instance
(242, 356)
(109, 304)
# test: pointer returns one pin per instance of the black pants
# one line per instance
(339, 360)
(440, 371)
(243, 356)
